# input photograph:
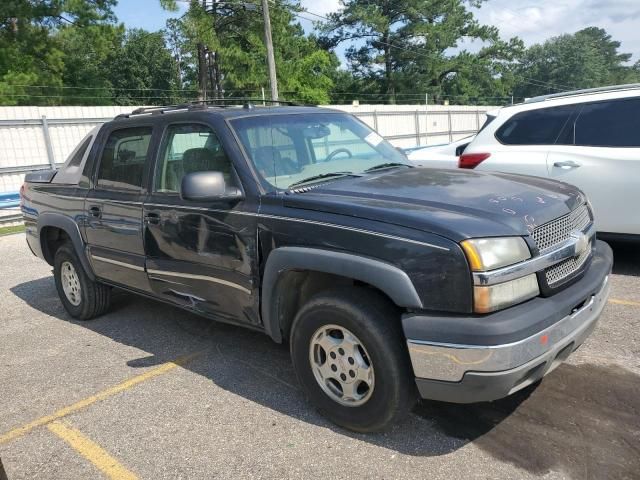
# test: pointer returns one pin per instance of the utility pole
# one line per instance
(202, 66)
(202, 72)
(271, 62)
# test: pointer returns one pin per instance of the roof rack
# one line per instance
(586, 91)
(154, 110)
(247, 103)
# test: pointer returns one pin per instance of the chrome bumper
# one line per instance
(450, 362)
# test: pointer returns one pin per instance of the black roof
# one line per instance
(225, 109)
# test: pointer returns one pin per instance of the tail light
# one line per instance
(472, 160)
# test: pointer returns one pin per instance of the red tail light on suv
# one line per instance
(472, 160)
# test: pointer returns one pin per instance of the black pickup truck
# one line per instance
(388, 282)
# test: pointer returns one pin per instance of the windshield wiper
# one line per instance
(322, 176)
(382, 166)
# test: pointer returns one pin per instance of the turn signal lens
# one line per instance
(495, 297)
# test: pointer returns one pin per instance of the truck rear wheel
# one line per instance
(82, 297)
(349, 354)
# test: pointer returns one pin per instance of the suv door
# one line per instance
(600, 153)
(114, 207)
(199, 254)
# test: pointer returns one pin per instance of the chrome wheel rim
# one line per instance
(341, 365)
(70, 283)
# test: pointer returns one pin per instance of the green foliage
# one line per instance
(142, 70)
(588, 58)
(235, 33)
(32, 64)
(73, 52)
(406, 46)
(11, 230)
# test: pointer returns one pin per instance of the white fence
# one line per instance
(33, 138)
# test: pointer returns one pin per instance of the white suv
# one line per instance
(589, 138)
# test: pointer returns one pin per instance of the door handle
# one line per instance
(567, 164)
(152, 217)
(95, 211)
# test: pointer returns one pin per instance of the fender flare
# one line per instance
(70, 227)
(391, 280)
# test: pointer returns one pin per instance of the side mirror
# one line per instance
(207, 186)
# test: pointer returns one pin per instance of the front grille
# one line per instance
(562, 270)
(553, 233)
(557, 231)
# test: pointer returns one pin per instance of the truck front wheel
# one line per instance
(349, 354)
(82, 298)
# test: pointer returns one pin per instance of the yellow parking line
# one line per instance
(91, 451)
(84, 403)
(624, 302)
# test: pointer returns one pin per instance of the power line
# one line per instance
(239, 90)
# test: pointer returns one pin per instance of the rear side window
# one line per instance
(488, 120)
(76, 160)
(535, 127)
(614, 123)
(123, 159)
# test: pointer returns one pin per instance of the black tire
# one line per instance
(376, 324)
(94, 298)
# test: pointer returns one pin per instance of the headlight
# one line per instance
(489, 253)
(484, 254)
(495, 297)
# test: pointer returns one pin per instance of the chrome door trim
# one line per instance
(199, 277)
(116, 262)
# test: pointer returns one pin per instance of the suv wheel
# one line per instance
(83, 298)
(349, 354)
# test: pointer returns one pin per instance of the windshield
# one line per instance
(293, 149)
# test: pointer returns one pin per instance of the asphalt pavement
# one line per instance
(148, 391)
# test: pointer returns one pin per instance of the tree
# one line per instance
(142, 70)
(87, 57)
(32, 63)
(232, 37)
(587, 58)
(406, 45)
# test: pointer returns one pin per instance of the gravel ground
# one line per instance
(235, 409)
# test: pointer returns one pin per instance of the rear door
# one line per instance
(600, 153)
(201, 255)
(114, 206)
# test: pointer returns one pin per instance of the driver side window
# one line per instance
(189, 148)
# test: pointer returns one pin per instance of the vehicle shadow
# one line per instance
(539, 429)
(626, 258)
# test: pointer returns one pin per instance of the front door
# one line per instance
(199, 254)
(114, 208)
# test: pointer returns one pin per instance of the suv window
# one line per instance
(189, 148)
(535, 127)
(123, 158)
(613, 123)
(488, 120)
(76, 160)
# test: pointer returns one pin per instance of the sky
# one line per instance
(533, 21)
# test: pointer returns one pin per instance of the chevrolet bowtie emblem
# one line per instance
(582, 242)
